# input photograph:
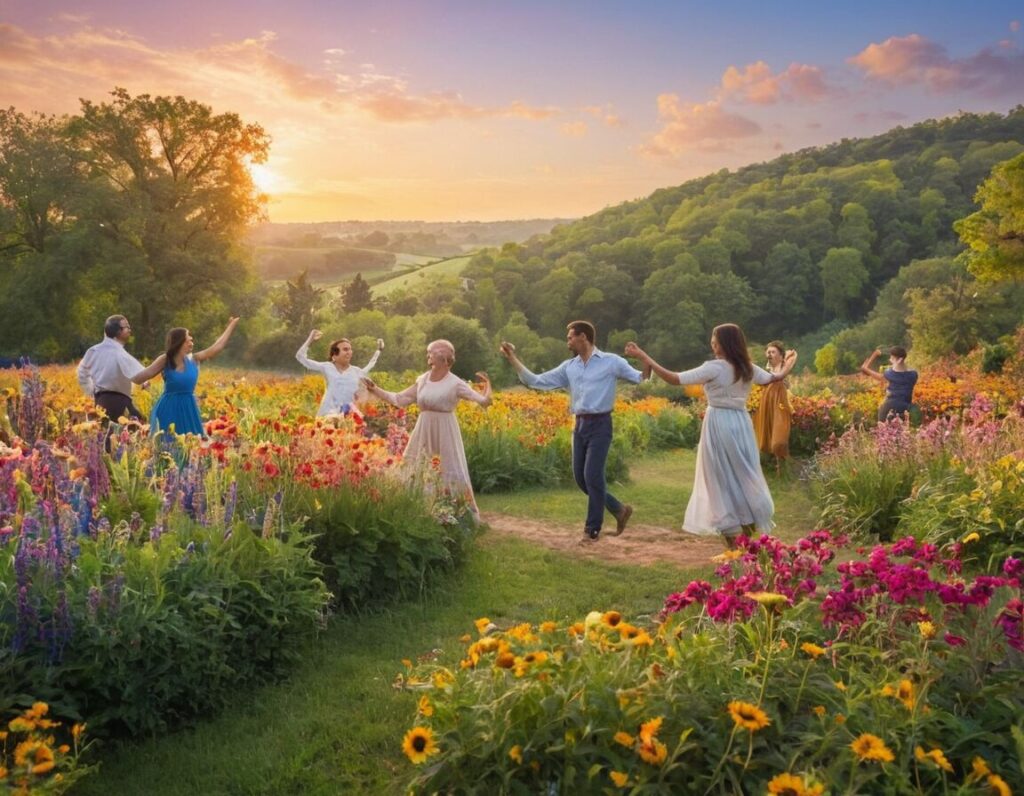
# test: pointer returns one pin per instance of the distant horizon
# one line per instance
(531, 110)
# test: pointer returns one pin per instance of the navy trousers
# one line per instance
(591, 441)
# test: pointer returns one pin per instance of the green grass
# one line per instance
(659, 488)
(335, 726)
(451, 267)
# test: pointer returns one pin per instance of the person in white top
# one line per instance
(107, 372)
(344, 380)
(437, 393)
(730, 495)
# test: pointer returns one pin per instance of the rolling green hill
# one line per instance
(421, 277)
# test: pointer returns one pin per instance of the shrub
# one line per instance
(885, 674)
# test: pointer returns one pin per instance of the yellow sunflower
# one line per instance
(871, 747)
(650, 728)
(812, 649)
(624, 738)
(793, 785)
(620, 779)
(654, 752)
(611, 618)
(935, 756)
(769, 599)
(747, 716)
(419, 744)
(516, 754)
(999, 786)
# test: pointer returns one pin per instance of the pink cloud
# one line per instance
(688, 127)
(1015, 25)
(913, 59)
(55, 70)
(756, 83)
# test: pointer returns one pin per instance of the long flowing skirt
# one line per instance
(729, 489)
(437, 434)
(773, 420)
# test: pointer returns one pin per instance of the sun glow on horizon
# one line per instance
(267, 180)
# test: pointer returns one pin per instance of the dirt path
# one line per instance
(640, 544)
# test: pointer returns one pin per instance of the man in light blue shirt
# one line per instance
(590, 377)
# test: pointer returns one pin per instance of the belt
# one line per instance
(110, 392)
(588, 415)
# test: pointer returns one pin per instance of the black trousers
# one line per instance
(116, 405)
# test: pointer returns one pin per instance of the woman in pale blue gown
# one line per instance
(176, 411)
(730, 495)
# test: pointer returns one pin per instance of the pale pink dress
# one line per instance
(437, 431)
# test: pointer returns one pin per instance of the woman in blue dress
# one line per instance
(176, 410)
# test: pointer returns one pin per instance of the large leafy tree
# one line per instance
(172, 191)
(995, 233)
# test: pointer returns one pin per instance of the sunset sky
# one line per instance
(487, 110)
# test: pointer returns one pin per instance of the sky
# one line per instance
(486, 110)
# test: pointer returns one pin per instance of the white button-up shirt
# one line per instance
(107, 367)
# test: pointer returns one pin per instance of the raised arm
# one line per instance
(867, 366)
(155, 367)
(376, 355)
(303, 353)
(635, 351)
(787, 366)
(218, 344)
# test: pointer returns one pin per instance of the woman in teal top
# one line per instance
(176, 410)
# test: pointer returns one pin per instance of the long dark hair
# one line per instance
(732, 344)
(175, 340)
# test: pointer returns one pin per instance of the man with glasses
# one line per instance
(107, 372)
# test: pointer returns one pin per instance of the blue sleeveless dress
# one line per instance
(177, 406)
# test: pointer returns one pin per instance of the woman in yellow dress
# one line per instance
(773, 418)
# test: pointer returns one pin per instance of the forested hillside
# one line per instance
(813, 242)
(835, 250)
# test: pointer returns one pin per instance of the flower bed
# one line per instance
(890, 672)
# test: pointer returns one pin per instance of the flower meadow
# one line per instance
(808, 668)
(143, 581)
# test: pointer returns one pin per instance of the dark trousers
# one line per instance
(891, 408)
(116, 405)
(591, 440)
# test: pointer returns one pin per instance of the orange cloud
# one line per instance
(914, 59)
(606, 113)
(757, 83)
(688, 127)
(574, 129)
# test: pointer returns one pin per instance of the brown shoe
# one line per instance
(588, 538)
(622, 518)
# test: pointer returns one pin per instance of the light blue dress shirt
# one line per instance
(591, 384)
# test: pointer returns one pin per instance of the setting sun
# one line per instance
(266, 180)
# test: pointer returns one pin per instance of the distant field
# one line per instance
(278, 263)
(452, 267)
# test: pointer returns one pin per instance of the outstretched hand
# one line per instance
(508, 350)
(315, 335)
(368, 383)
(633, 350)
(380, 343)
